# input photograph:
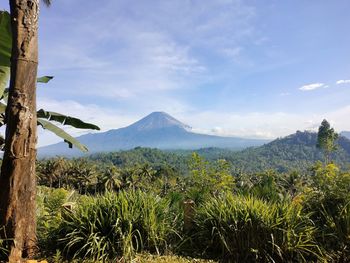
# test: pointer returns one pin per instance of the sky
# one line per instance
(255, 69)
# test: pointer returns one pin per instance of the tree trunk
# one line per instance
(18, 180)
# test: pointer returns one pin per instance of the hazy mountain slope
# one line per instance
(294, 152)
(157, 130)
(345, 134)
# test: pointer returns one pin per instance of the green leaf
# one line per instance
(5, 49)
(5, 94)
(44, 79)
(65, 120)
(2, 107)
(61, 133)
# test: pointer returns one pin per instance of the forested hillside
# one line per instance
(294, 152)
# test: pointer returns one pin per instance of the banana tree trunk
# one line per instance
(18, 180)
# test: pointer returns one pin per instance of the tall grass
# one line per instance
(246, 229)
(3, 246)
(336, 233)
(50, 203)
(112, 226)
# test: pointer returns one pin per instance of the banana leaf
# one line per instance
(5, 49)
(44, 79)
(61, 133)
(65, 120)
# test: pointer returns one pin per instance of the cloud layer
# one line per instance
(226, 67)
(313, 86)
(343, 81)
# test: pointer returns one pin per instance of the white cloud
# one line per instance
(268, 125)
(143, 48)
(313, 86)
(263, 124)
(105, 118)
(248, 125)
(343, 81)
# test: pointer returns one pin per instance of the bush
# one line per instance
(246, 229)
(49, 214)
(328, 201)
(112, 226)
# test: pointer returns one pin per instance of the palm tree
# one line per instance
(110, 179)
(18, 179)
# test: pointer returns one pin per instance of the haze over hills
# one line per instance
(296, 152)
(156, 130)
(345, 134)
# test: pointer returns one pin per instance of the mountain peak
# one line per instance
(158, 120)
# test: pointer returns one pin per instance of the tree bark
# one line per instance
(18, 180)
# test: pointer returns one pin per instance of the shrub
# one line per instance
(246, 229)
(328, 201)
(112, 226)
(49, 214)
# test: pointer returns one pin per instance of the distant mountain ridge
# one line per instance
(294, 152)
(156, 130)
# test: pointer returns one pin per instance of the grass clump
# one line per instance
(248, 229)
(117, 225)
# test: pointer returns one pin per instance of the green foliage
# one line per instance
(65, 120)
(5, 49)
(208, 179)
(44, 79)
(247, 229)
(140, 155)
(296, 152)
(169, 259)
(61, 133)
(328, 200)
(49, 208)
(326, 138)
(5, 63)
(3, 248)
(113, 226)
(266, 216)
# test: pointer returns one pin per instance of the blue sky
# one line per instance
(260, 69)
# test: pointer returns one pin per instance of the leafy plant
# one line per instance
(328, 200)
(49, 210)
(45, 118)
(113, 226)
(247, 229)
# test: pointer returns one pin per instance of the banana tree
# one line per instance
(45, 119)
(19, 54)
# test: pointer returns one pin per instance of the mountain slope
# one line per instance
(345, 134)
(157, 130)
(294, 152)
